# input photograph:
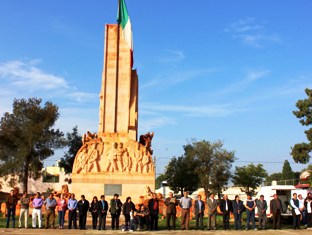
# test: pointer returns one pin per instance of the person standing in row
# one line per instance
(11, 202)
(72, 212)
(128, 206)
(250, 205)
(50, 205)
(83, 207)
(185, 204)
(308, 206)
(238, 209)
(37, 211)
(24, 202)
(262, 207)
(61, 209)
(102, 212)
(199, 207)
(226, 208)
(171, 211)
(94, 211)
(276, 211)
(212, 212)
(115, 210)
(153, 206)
(294, 202)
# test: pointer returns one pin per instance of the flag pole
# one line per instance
(117, 69)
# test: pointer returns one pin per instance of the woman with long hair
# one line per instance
(94, 211)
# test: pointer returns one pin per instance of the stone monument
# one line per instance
(114, 160)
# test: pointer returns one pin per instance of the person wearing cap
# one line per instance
(115, 210)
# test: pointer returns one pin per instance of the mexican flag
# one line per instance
(123, 20)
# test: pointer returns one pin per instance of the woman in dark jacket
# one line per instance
(127, 207)
(93, 209)
(238, 209)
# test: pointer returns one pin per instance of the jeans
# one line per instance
(250, 217)
(61, 215)
(11, 212)
(237, 221)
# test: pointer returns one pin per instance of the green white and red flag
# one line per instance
(123, 20)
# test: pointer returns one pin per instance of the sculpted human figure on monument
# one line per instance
(111, 158)
(145, 161)
(120, 151)
(92, 158)
(88, 136)
(126, 161)
(146, 141)
(136, 159)
(82, 158)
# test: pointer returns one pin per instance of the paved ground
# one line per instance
(162, 232)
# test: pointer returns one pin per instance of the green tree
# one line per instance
(249, 177)
(212, 164)
(74, 143)
(159, 180)
(180, 175)
(287, 172)
(301, 151)
(27, 138)
(274, 176)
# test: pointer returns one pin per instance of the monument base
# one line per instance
(131, 185)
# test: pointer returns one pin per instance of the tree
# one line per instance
(249, 177)
(74, 143)
(159, 180)
(274, 176)
(287, 172)
(27, 138)
(212, 163)
(301, 152)
(180, 175)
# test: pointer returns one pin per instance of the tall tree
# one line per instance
(74, 143)
(249, 177)
(27, 138)
(287, 172)
(212, 163)
(301, 151)
(180, 175)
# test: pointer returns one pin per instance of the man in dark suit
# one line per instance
(262, 207)
(83, 207)
(171, 211)
(226, 208)
(115, 210)
(102, 208)
(153, 206)
(276, 211)
(199, 208)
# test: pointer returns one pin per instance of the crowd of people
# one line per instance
(146, 216)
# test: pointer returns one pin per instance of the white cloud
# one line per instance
(195, 111)
(172, 56)
(246, 82)
(26, 75)
(251, 32)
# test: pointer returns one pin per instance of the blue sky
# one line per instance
(227, 70)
